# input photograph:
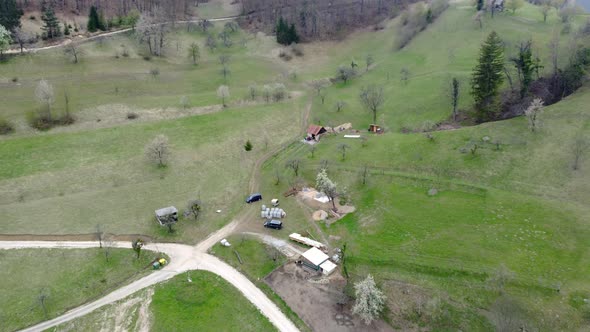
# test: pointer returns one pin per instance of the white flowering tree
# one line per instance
(533, 112)
(327, 186)
(223, 93)
(369, 300)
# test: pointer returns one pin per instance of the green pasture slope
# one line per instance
(208, 303)
(66, 277)
(513, 211)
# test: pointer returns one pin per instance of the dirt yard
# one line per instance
(316, 299)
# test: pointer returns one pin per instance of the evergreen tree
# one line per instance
(66, 29)
(10, 14)
(282, 32)
(479, 5)
(487, 75)
(293, 37)
(51, 27)
(93, 20)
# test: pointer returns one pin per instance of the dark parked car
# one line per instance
(276, 224)
(253, 198)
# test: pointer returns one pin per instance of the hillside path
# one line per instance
(182, 258)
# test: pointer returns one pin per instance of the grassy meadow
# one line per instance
(208, 303)
(66, 277)
(509, 221)
(514, 211)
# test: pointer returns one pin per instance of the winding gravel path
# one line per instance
(182, 258)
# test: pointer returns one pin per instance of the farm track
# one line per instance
(182, 258)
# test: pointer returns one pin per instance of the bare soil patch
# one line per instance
(315, 299)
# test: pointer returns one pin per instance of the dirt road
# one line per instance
(182, 258)
(106, 34)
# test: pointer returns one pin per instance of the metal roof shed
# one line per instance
(164, 215)
(327, 267)
(315, 256)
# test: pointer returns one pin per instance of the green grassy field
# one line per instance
(258, 261)
(68, 278)
(70, 182)
(209, 303)
(447, 48)
(517, 204)
(104, 76)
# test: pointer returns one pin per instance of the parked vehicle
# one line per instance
(276, 224)
(253, 198)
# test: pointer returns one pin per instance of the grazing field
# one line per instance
(258, 261)
(68, 183)
(208, 303)
(447, 48)
(119, 70)
(508, 225)
(63, 278)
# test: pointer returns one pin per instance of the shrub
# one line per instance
(5, 127)
(248, 146)
(15, 79)
(147, 57)
(132, 116)
(297, 49)
(32, 17)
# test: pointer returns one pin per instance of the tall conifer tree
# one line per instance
(487, 76)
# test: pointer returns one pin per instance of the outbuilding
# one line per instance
(167, 215)
(314, 132)
(318, 260)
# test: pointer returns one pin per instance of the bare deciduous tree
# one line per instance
(185, 102)
(342, 147)
(108, 247)
(533, 113)
(370, 300)
(266, 92)
(253, 91)
(345, 73)
(404, 75)
(369, 60)
(365, 174)
(372, 99)
(478, 17)
(500, 277)
(99, 234)
(339, 105)
(45, 96)
(294, 165)
(312, 149)
(545, 9)
(158, 151)
(22, 37)
(455, 96)
(211, 43)
(194, 52)
(223, 93)
(42, 297)
(194, 207)
(73, 52)
(579, 148)
(137, 245)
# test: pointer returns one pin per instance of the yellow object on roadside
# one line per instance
(162, 261)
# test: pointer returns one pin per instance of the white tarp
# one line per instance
(315, 256)
(327, 267)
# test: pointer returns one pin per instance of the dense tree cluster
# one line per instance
(286, 35)
(51, 27)
(318, 19)
(95, 21)
(10, 14)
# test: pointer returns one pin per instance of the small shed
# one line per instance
(314, 132)
(316, 259)
(167, 215)
(375, 128)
